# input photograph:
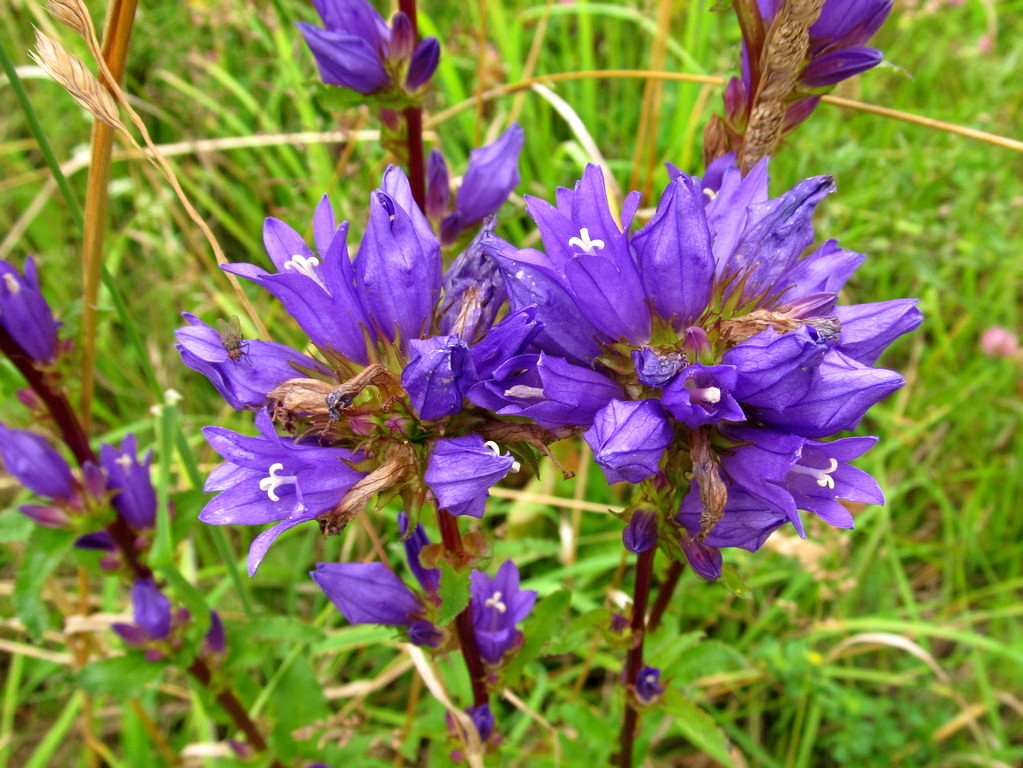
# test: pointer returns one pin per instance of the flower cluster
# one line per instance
(703, 346)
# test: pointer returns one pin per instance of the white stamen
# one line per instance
(124, 460)
(584, 244)
(712, 395)
(12, 284)
(495, 603)
(496, 450)
(709, 395)
(822, 476)
(524, 392)
(303, 264)
(710, 193)
(273, 481)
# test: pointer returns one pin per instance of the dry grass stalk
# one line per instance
(72, 14)
(71, 72)
(784, 52)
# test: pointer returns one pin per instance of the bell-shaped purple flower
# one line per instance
(628, 439)
(367, 593)
(776, 369)
(504, 341)
(462, 470)
(245, 378)
(822, 476)
(705, 560)
(152, 609)
(674, 253)
(24, 313)
(703, 394)
(33, 462)
(497, 606)
(840, 393)
(747, 522)
(423, 64)
(641, 532)
(270, 479)
(428, 578)
(134, 495)
(438, 375)
(868, 329)
(492, 173)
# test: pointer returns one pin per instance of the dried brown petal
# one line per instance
(713, 493)
(398, 466)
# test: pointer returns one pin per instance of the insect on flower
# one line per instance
(231, 337)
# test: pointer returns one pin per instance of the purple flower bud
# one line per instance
(462, 470)
(648, 684)
(835, 66)
(504, 341)
(152, 609)
(438, 186)
(94, 479)
(868, 329)
(705, 560)
(367, 593)
(30, 460)
(134, 496)
(641, 532)
(403, 37)
(428, 578)
(702, 394)
(628, 439)
(423, 64)
(215, 640)
(492, 173)
(450, 227)
(483, 719)
(24, 313)
(655, 368)
(131, 634)
(697, 344)
(423, 633)
(438, 376)
(497, 606)
(98, 540)
(46, 516)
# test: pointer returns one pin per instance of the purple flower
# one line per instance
(438, 375)
(152, 613)
(775, 369)
(702, 394)
(245, 380)
(24, 313)
(423, 633)
(655, 368)
(628, 439)
(134, 495)
(497, 606)
(358, 51)
(483, 719)
(428, 578)
(30, 460)
(271, 479)
(462, 470)
(215, 641)
(868, 329)
(641, 532)
(648, 684)
(367, 593)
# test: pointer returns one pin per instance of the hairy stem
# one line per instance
(664, 594)
(463, 623)
(634, 660)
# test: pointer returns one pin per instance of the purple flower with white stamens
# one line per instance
(702, 394)
(462, 470)
(272, 479)
(648, 684)
(641, 532)
(368, 593)
(498, 605)
(134, 496)
(24, 313)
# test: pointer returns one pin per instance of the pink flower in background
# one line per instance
(998, 342)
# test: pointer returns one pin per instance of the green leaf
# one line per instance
(581, 630)
(43, 552)
(123, 676)
(453, 592)
(733, 582)
(697, 726)
(285, 628)
(541, 625)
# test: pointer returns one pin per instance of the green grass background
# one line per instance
(927, 590)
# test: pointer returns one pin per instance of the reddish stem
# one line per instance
(414, 123)
(463, 623)
(634, 661)
(664, 594)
